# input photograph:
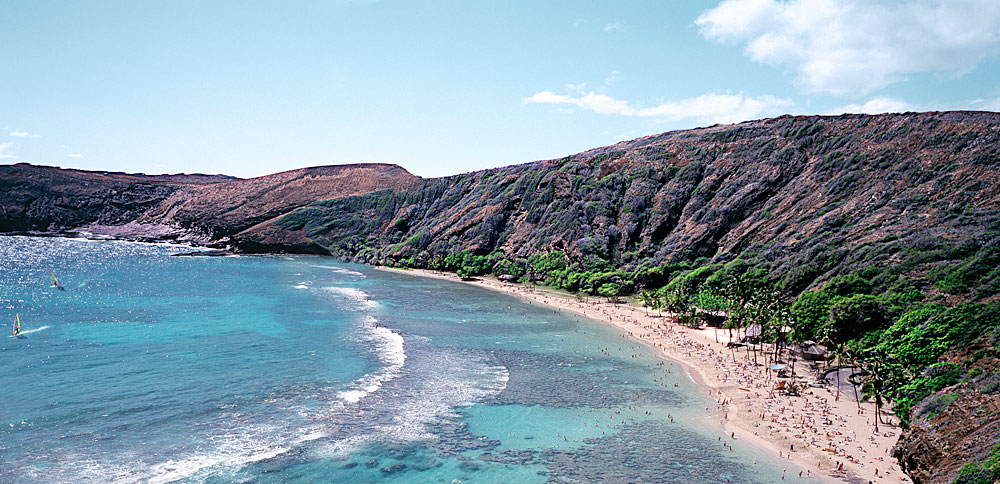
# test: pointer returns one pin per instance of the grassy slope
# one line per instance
(877, 234)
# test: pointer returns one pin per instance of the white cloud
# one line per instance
(980, 105)
(74, 155)
(853, 47)
(3, 151)
(613, 77)
(614, 27)
(878, 105)
(882, 104)
(599, 103)
(24, 134)
(720, 108)
(712, 108)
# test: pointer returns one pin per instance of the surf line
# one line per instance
(389, 349)
(18, 333)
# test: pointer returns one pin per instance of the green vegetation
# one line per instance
(875, 241)
(876, 236)
(893, 334)
(986, 472)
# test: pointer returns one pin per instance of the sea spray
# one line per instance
(220, 370)
(390, 351)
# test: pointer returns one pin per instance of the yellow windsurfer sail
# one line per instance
(55, 280)
(17, 324)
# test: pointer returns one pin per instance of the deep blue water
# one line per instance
(151, 368)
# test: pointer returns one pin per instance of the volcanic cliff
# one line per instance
(204, 209)
(907, 204)
(810, 197)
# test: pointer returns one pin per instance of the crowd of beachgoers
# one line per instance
(826, 433)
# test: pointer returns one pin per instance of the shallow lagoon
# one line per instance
(302, 369)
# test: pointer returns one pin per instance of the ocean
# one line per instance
(303, 369)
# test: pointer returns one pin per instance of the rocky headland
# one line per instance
(881, 233)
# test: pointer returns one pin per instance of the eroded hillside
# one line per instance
(809, 197)
(877, 235)
(206, 209)
(884, 231)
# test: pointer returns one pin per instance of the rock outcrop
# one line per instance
(205, 209)
(913, 199)
(809, 197)
(955, 433)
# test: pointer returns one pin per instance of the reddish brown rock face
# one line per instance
(810, 195)
(804, 198)
(957, 425)
(199, 208)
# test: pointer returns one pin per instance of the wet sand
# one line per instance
(831, 439)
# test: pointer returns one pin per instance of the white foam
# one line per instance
(235, 443)
(437, 385)
(342, 449)
(348, 272)
(460, 384)
(357, 299)
(349, 292)
(239, 449)
(229, 451)
(341, 270)
(311, 435)
(35, 330)
(301, 286)
(176, 470)
(390, 350)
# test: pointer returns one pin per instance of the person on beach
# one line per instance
(795, 417)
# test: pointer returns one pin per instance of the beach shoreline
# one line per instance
(816, 431)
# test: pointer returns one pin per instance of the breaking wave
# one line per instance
(389, 349)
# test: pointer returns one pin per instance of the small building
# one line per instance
(716, 319)
(810, 351)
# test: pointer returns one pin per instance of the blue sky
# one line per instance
(251, 88)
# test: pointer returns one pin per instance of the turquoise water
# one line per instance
(151, 368)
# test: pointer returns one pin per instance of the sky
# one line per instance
(444, 87)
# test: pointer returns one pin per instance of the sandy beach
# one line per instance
(829, 438)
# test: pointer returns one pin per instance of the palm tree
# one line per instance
(852, 357)
(646, 299)
(676, 301)
(833, 353)
(708, 300)
(883, 373)
(781, 317)
(764, 311)
(659, 300)
(736, 313)
(738, 293)
(873, 386)
(755, 317)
